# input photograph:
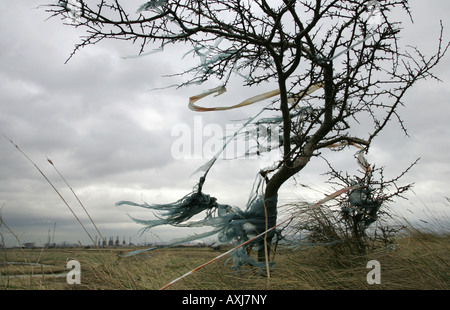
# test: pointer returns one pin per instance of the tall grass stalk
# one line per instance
(111, 267)
(51, 184)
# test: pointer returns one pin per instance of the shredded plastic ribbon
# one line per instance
(152, 4)
(222, 89)
(231, 224)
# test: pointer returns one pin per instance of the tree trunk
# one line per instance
(290, 168)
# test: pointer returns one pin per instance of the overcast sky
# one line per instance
(110, 136)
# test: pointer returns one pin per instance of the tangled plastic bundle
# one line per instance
(232, 224)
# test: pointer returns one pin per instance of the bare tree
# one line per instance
(350, 48)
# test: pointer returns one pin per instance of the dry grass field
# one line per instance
(420, 261)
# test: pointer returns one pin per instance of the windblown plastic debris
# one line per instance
(238, 247)
(363, 207)
(231, 224)
(361, 204)
(152, 4)
(221, 89)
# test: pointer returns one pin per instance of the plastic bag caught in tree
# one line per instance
(152, 4)
(232, 224)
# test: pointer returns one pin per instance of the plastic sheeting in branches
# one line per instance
(231, 224)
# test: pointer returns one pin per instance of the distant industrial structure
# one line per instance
(111, 243)
(99, 242)
(102, 242)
